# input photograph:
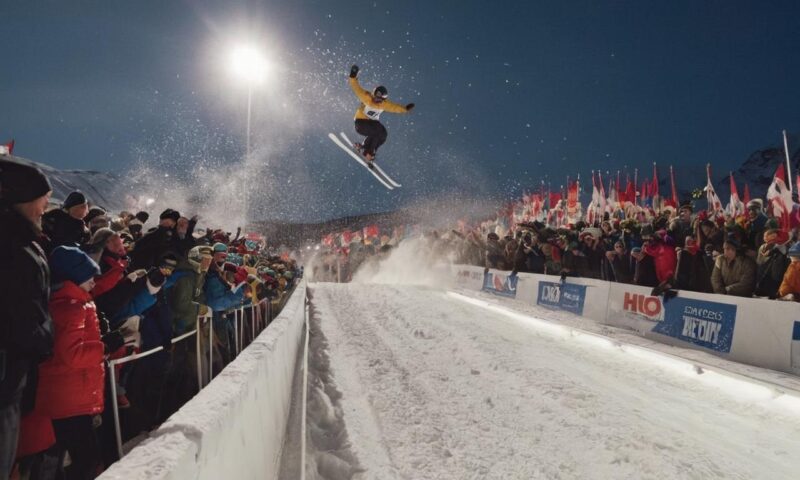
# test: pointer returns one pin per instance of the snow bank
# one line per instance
(234, 428)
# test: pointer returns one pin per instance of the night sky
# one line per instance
(508, 93)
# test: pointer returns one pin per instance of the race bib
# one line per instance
(372, 112)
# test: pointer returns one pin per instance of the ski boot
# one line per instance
(370, 158)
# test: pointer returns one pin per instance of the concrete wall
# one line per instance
(233, 428)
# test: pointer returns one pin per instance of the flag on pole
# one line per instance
(746, 198)
(780, 198)
(674, 201)
(735, 207)
(714, 204)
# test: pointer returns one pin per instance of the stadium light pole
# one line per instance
(249, 66)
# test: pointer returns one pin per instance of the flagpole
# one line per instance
(636, 186)
(788, 162)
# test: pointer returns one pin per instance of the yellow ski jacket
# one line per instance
(370, 110)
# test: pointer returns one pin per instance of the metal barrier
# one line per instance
(261, 315)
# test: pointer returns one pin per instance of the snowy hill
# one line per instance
(101, 188)
(758, 169)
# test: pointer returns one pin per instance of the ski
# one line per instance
(377, 167)
(360, 160)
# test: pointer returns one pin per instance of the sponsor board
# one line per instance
(464, 277)
(642, 305)
(562, 296)
(503, 285)
(703, 323)
(796, 347)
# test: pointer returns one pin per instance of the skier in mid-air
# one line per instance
(367, 124)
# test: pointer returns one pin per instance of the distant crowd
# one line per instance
(81, 286)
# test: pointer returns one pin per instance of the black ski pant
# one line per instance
(77, 436)
(375, 132)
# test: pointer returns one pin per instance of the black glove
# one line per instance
(354, 71)
(409, 107)
(112, 341)
(155, 277)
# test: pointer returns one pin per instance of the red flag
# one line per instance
(555, 197)
(371, 231)
(735, 207)
(674, 188)
(780, 198)
(8, 147)
(746, 198)
(654, 188)
(347, 237)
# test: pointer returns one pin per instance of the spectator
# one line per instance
(25, 325)
(96, 219)
(156, 242)
(756, 222)
(184, 240)
(790, 286)
(620, 263)
(772, 263)
(65, 226)
(734, 273)
(692, 272)
(72, 382)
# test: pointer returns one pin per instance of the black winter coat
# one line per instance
(26, 332)
(149, 249)
(62, 229)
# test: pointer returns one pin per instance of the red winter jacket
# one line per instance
(71, 382)
(665, 259)
(108, 280)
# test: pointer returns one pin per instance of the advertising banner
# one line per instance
(562, 296)
(703, 323)
(498, 284)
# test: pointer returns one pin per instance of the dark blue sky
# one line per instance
(507, 93)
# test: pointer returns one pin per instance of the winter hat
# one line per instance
(74, 199)
(72, 264)
(20, 183)
(99, 239)
(142, 217)
(733, 243)
(220, 248)
(135, 225)
(794, 251)
(196, 254)
(775, 236)
(756, 202)
(171, 214)
(94, 212)
(168, 261)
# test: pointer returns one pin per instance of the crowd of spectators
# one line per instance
(81, 286)
(678, 249)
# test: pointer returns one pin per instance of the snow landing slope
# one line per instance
(433, 388)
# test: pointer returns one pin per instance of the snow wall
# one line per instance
(234, 428)
(760, 332)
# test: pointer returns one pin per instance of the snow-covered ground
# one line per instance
(430, 387)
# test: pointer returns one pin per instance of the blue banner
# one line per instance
(703, 323)
(562, 296)
(504, 285)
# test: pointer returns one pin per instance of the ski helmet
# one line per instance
(380, 92)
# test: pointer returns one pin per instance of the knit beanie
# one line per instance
(21, 183)
(72, 264)
(220, 248)
(142, 216)
(74, 199)
(94, 212)
(171, 214)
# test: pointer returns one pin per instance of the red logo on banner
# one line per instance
(643, 305)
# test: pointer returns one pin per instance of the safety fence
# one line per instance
(248, 321)
(235, 426)
(760, 332)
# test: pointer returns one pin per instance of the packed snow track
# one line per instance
(435, 388)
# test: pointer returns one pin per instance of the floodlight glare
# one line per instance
(248, 64)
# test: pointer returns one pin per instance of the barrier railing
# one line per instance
(261, 315)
